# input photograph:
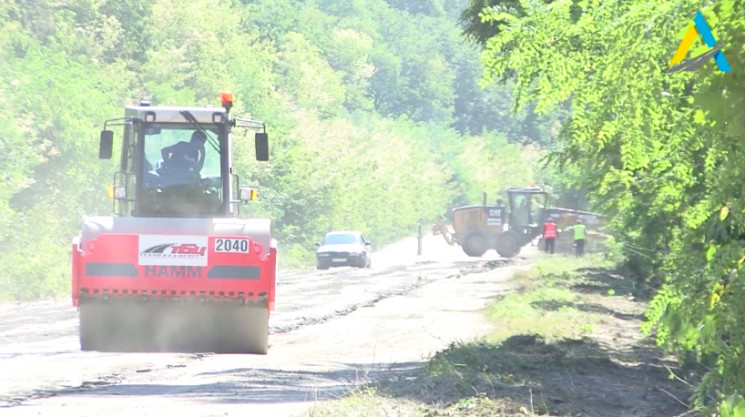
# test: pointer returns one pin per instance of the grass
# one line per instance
(365, 401)
(544, 302)
(565, 344)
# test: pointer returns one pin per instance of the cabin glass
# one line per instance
(181, 172)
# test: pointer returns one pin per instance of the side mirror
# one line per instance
(318, 243)
(106, 144)
(368, 243)
(262, 146)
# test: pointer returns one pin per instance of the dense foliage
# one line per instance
(373, 108)
(661, 152)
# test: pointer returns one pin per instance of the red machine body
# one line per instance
(110, 266)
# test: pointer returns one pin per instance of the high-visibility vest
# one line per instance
(549, 230)
(579, 231)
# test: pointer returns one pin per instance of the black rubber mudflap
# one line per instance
(155, 326)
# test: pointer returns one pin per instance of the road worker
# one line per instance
(549, 235)
(580, 236)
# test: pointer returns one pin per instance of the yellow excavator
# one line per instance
(506, 229)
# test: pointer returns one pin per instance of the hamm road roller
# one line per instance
(176, 268)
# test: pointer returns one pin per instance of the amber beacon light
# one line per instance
(227, 99)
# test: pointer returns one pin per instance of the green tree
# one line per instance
(656, 150)
(370, 110)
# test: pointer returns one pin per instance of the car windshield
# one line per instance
(340, 239)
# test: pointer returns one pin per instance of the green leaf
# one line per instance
(739, 409)
(733, 406)
(723, 213)
(699, 117)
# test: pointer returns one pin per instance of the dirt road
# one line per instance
(331, 329)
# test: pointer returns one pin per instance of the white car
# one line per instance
(344, 248)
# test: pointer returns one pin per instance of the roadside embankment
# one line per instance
(565, 341)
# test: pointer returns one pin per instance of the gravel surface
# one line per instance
(331, 329)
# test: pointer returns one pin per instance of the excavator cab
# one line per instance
(527, 208)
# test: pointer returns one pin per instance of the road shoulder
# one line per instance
(560, 339)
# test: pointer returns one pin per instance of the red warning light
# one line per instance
(227, 99)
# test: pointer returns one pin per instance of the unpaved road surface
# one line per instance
(331, 330)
